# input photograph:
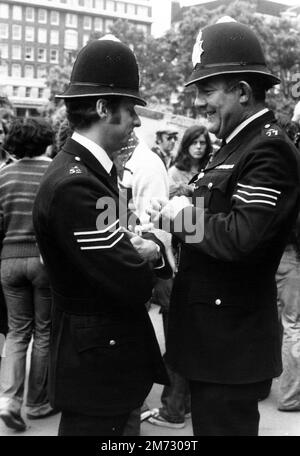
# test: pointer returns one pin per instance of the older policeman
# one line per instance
(223, 325)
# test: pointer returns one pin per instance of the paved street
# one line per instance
(273, 422)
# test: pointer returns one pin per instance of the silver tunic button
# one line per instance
(112, 343)
(267, 126)
(218, 302)
(210, 185)
(77, 159)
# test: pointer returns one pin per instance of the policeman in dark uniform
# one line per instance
(223, 325)
(104, 356)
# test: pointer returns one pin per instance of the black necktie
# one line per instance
(114, 174)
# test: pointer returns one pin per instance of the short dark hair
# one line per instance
(28, 137)
(258, 84)
(183, 159)
(81, 112)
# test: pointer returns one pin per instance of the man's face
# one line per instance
(221, 106)
(167, 142)
(120, 124)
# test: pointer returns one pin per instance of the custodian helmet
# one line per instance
(229, 47)
(104, 67)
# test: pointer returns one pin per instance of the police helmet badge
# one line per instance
(197, 50)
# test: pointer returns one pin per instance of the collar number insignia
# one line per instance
(272, 132)
(75, 170)
(197, 50)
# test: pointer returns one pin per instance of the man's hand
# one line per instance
(147, 249)
(165, 211)
(156, 205)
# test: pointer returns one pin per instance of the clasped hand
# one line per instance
(164, 211)
(146, 248)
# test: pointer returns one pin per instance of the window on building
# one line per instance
(99, 4)
(40, 92)
(29, 71)
(71, 20)
(81, 3)
(121, 7)
(16, 52)
(110, 5)
(4, 10)
(17, 13)
(3, 30)
(41, 71)
(108, 24)
(3, 69)
(16, 32)
(41, 55)
(29, 14)
(54, 18)
(54, 37)
(142, 11)
(131, 9)
(98, 24)
(29, 33)
(63, 1)
(71, 39)
(3, 51)
(42, 16)
(27, 92)
(42, 35)
(29, 53)
(16, 70)
(54, 55)
(85, 38)
(87, 22)
(15, 91)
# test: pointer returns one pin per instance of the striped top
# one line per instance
(19, 183)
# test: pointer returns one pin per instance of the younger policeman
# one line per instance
(223, 325)
(104, 357)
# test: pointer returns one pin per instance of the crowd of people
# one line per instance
(85, 250)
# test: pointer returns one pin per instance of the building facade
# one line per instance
(38, 34)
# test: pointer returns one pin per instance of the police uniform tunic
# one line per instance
(104, 357)
(223, 324)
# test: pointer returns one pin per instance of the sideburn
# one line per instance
(115, 118)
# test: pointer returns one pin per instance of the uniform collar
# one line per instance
(99, 153)
(241, 126)
(244, 135)
(81, 154)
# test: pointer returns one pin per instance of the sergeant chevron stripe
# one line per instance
(253, 195)
(101, 239)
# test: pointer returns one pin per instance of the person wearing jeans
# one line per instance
(23, 276)
(288, 286)
(26, 289)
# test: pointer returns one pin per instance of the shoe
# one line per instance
(36, 413)
(158, 420)
(13, 420)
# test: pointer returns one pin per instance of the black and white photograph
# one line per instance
(149, 221)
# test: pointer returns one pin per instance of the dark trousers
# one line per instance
(175, 398)
(73, 424)
(226, 410)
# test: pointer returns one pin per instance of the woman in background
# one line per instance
(193, 155)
